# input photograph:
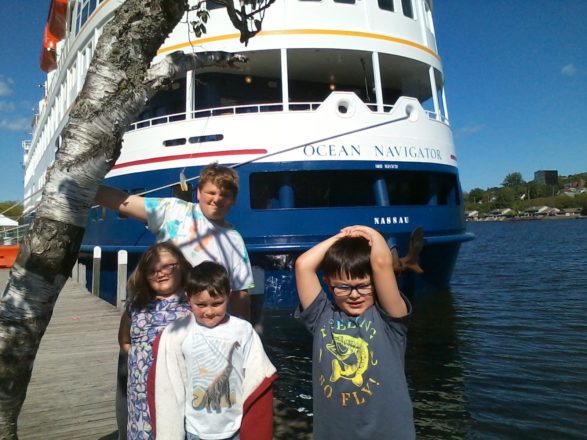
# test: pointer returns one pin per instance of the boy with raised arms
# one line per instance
(359, 384)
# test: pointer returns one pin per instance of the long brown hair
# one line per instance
(138, 287)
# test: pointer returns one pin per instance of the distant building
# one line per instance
(579, 184)
(572, 192)
(547, 177)
(536, 211)
(503, 212)
(471, 215)
(572, 211)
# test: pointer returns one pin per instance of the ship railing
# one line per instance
(374, 107)
(222, 111)
(254, 108)
(145, 123)
(13, 235)
(437, 117)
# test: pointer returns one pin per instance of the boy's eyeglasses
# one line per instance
(344, 290)
(163, 270)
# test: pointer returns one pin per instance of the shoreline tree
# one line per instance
(119, 82)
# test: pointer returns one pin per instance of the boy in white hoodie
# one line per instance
(212, 376)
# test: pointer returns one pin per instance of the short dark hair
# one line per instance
(223, 177)
(209, 276)
(348, 256)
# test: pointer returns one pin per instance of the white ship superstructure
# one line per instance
(338, 117)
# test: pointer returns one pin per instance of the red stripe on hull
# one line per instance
(188, 156)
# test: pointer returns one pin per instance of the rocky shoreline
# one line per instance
(524, 219)
(289, 424)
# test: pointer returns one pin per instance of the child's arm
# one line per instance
(383, 276)
(127, 204)
(307, 281)
(124, 332)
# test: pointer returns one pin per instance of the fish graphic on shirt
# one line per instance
(347, 349)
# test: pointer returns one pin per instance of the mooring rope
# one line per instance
(262, 156)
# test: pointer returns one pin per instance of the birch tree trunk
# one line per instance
(118, 84)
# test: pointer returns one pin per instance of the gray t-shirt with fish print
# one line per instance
(359, 384)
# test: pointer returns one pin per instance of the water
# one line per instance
(501, 356)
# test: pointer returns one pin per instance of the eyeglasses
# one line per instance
(163, 270)
(345, 290)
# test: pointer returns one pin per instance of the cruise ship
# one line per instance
(339, 117)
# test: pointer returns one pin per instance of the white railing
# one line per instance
(223, 111)
(433, 116)
(242, 109)
(12, 235)
(256, 108)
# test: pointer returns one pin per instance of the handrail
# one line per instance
(14, 234)
(222, 111)
(254, 108)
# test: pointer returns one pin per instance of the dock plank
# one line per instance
(72, 390)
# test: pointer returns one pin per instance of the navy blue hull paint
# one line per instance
(274, 237)
(280, 290)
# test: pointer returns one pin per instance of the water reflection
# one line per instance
(434, 368)
(501, 356)
(433, 365)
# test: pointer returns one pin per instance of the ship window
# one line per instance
(84, 11)
(342, 188)
(309, 189)
(246, 92)
(407, 8)
(208, 138)
(174, 142)
(332, 70)
(402, 76)
(165, 103)
(428, 17)
(386, 5)
(422, 188)
(254, 84)
(428, 102)
(350, 2)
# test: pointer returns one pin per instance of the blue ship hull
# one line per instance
(279, 228)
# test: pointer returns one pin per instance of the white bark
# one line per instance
(117, 86)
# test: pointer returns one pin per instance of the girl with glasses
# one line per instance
(156, 298)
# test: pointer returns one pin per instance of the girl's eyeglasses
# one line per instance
(163, 270)
(345, 290)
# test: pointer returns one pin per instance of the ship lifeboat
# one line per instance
(8, 255)
(54, 32)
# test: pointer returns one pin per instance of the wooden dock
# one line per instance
(71, 395)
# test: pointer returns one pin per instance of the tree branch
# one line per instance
(178, 63)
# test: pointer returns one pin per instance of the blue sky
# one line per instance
(516, 85)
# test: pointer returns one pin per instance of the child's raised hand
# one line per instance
(366, 232)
